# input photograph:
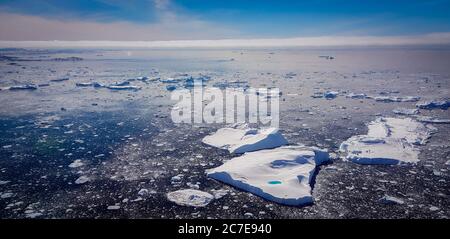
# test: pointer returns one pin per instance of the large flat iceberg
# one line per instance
(282, 175)
(388, 141)
(241, 139)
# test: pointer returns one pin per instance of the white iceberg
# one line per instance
(281, 175)
(241, 139)
(190, 197)
(388, 141)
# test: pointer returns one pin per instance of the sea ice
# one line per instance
(403, 111)
(386, 199)
(356, 96)
(24, 87)
(282, 175)
(432, 120)
(435, 104)
(76, 164)
(388, 141)
(330, 94)
(60, 79)
(190, 197)
(126, 87)
(241, 139)
(82, 180)
(388, 99)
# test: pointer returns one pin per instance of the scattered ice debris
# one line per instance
(171, 87)
(290, 75)
(434, 208)
(356, 96)
(72, 58)
(6, 195)
(386, 199)
(4, 182)
(113, 207)
(219, 193)
(76, 164)
(84, 84)
(31, 214)
(125, 87)
(403, 111)
(82, 180)
(282, 175)
(241, 139)
(24, 87)
(435, 104)
(388, 141)
(190, 197)
(60, 79)
(330, 95)
(432, 120)
(389, 99)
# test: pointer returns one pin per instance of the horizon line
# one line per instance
(432, 39)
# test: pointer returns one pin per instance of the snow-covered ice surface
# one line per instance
(283, 175)
(123, 141)
(190, 197)
(388, 141)
(241, 139)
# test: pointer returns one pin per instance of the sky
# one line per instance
(173, 20)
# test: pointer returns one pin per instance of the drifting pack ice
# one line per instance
(388, 141)
(282, 175)
(241, 139)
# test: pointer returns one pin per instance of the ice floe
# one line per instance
(388, 99)
(82, 180)
(435, 104)
(282, 175)
(190, 197)
(432, 120)
(24, 87)
(388, 141)
(241, 139)
(403, 111)
(386, 199)
(330, 95)
(356, 96)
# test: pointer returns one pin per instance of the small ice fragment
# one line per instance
(190, 197)
(282, 175)
(24, 87)
(403, 111)
(114, 207)
(244, 139)
(6, 195)
(60, 79)
(76, 164)
(386, 199)
(171, 87)
(127, 87)
(84, 84)
(7, 146)
(356, 96)
(435, 104)
(143, 192)
(330, 95)
(82, 180)
(220, 193)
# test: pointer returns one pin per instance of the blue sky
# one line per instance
(209, 19)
